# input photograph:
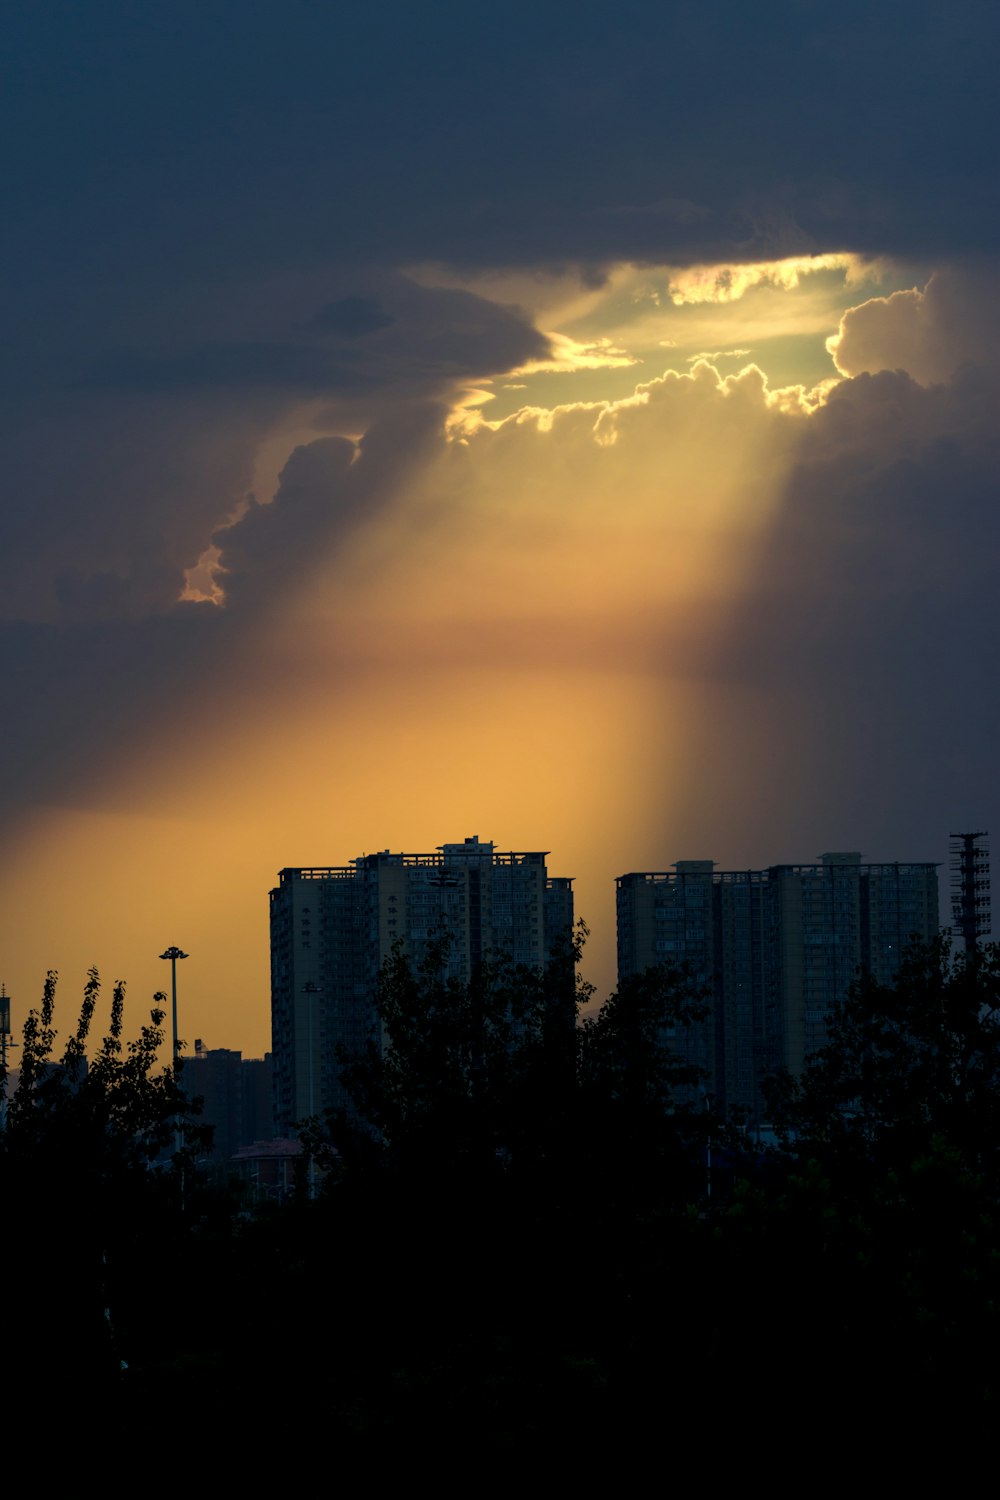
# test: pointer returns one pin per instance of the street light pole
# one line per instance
(174, 954)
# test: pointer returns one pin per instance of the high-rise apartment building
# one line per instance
(332, 927)
(774, 950)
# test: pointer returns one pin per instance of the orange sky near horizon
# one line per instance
(521, 643)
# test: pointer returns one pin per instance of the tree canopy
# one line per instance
(77, 1158)
(515, 1249)
(503, 1071)
(904, 1065)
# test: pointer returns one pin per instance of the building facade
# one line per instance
(236, 1097)
(332, 928)
(775, 949)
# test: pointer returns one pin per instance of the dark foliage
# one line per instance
(512, 1187)
(904, 1067)
(500, 1077)
(80, 1183)
(465, 1064)
(515, 1255)
(871, 1232)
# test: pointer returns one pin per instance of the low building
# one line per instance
(235, 1093)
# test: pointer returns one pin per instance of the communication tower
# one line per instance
(970, 887)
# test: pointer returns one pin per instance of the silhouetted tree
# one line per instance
(502, 1195)
(461, 1071)
(77, 1178)
(904, 1065)
(869, 1234)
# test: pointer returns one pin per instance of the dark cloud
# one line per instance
(929, 333)
(118, 478)
(208, 207)
(884, 548)
(119, 486)
(76, 698)
(328, 490)
(181, 140)
(233, 366)
(209, 210)
(352, 317)
(431, 334)
(856, 679)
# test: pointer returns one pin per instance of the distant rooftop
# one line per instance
(470, 849)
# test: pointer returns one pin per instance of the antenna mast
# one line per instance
(970, 887)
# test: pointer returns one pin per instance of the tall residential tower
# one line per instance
(774, 949)
(332, 927)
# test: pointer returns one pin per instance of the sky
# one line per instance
(571, 425)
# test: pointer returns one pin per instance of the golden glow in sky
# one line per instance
(778, 313)
(515, 636)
